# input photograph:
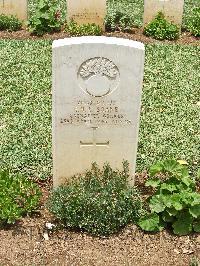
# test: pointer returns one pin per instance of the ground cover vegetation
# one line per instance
(100, 201)
(18, 196)
(26, 107)
(170, 100)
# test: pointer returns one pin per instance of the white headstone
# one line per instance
(172, 9)
(97, 86)
(16, 8)
(87, 11)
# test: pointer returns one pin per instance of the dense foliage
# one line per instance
(47, 18)
(9, 23)
(99, 202)
(83, 30)
(175, 201)
(18, 196)
(159, 28)
(193, 22)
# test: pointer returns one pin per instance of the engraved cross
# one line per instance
(94, 141)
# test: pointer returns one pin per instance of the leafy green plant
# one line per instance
(175, 201)
(10, 23)
(18, 196)
(99, 202)
(85, 29)
(47, 18)
(118, 17)
(193, 22)
(159, 28)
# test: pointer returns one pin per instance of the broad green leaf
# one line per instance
(166, 217)
(183, 172)
(188, 181)
(156, 204)
(175, 200)
(167, 200)
(175, 169)
(153, 182)
(169, 187)
(172, 211)
(196, 199)
(151, 222)
(183, 225)
(156, 168)
(182, 187)
(190, 198)
(196, 226)
(195, 211)
(170, 165)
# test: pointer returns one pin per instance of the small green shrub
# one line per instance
(9, 23)
(193, 22)
(118, 18)
(83, 30)
(175, 201)
(99, 202)
(18, 196)
(159, 28)
(46, 19)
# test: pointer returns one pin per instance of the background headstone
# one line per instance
(97, 85)
(87, 11)
(16, 8)
(172, 9)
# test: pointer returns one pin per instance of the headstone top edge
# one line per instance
(97, 40)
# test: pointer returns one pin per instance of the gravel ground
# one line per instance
(29, 243)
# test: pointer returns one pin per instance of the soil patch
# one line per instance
(29, 242)
(136, 35)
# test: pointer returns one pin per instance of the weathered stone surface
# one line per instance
(97, 85)
(172, 9)
(87, 11)
(17, 8)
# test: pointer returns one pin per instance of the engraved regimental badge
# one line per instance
(98, 77)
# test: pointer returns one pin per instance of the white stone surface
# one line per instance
(172, 9)
(87, 11)
(17, 8)
(97, 85)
